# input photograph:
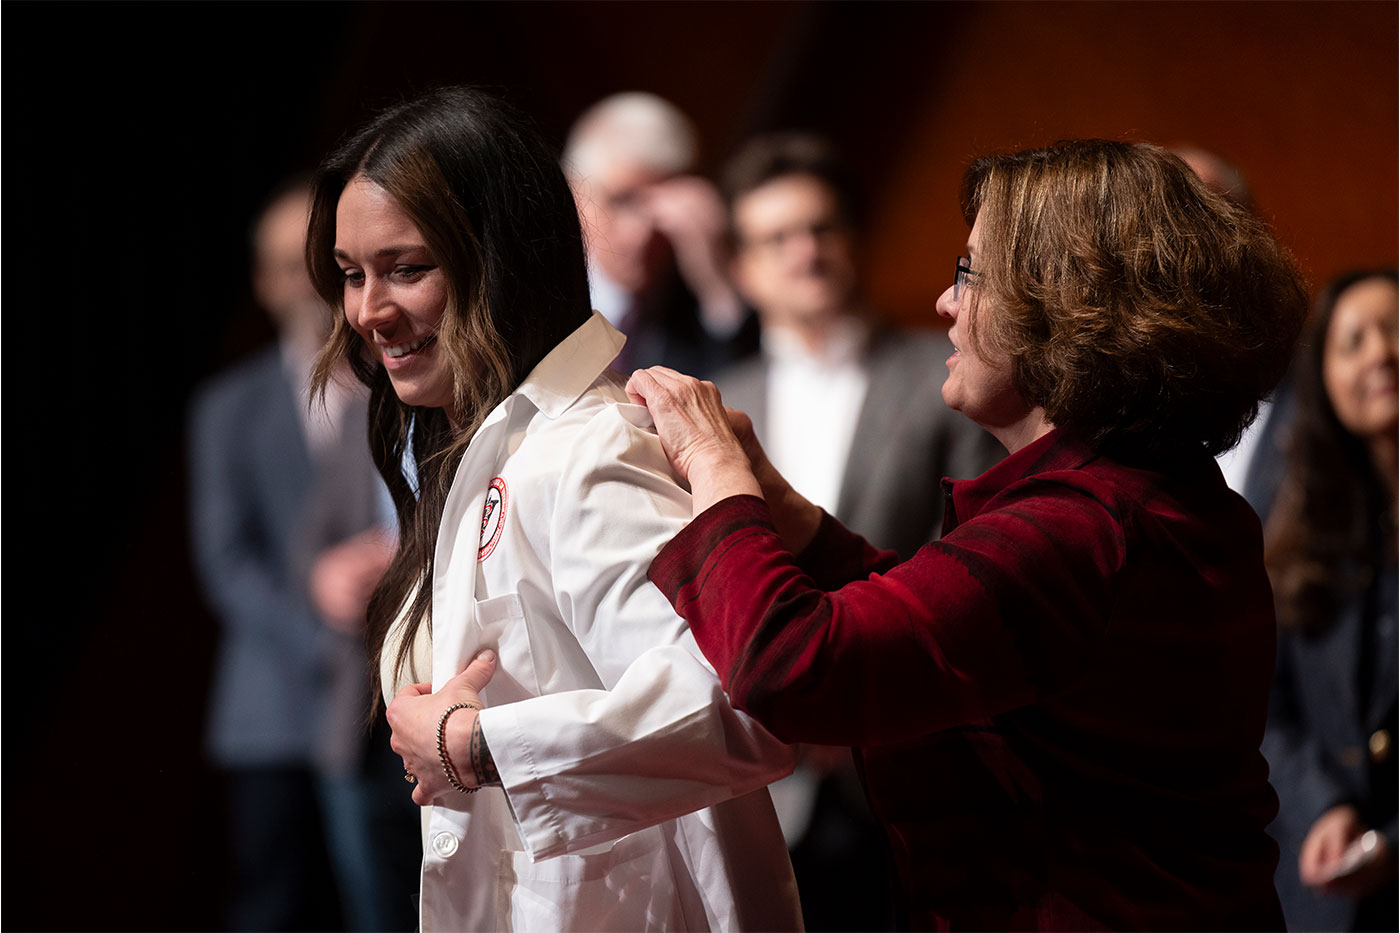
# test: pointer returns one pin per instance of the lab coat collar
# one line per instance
(571, 367)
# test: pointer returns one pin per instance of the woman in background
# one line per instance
(1332, 558)
(446, 238)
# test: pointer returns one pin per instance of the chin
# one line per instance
(949, 398)
(419, 397)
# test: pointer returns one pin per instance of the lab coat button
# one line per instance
(445, 844)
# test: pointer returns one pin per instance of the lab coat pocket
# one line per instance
(500, 623)
(627, 887)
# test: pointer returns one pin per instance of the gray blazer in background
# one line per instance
(348, 497)
(250, 475)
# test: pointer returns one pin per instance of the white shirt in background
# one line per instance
(1236, 461)
(814, 402)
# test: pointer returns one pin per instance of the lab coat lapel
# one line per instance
(455, 570)
(551, 387)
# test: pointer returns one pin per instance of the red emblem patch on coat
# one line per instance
(493, 518)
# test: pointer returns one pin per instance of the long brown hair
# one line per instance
(488, 196)
(1136, 306)
(1327, 531)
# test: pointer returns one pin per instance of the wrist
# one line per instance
(721, 310)
(719, 476)
(452, 752)
(458, 739)
(483, 763)
(796, 519)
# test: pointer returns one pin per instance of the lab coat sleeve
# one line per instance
(659, 739)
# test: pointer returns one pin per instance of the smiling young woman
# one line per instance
(542, 692)
(395, 292)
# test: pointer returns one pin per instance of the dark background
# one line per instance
(141, 139)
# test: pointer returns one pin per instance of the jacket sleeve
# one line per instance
(659, 738)
(1298, 763)
(998, 613)
(243, 576)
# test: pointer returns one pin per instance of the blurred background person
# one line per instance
(846, 404)
(655, 236)
(1332, 560)
(1219, 175)
(283, 494)
(848, 408)
(345, 545)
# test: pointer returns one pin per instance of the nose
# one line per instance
(370, 307)
(946, 306)
(806, 246)
(1375, 350)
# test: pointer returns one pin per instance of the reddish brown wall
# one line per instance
(1302, 96)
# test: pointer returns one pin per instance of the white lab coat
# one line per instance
(633, 793)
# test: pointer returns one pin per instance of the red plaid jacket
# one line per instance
(1057, 707)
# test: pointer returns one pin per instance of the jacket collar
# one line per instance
(1055, 451)
(570, 368)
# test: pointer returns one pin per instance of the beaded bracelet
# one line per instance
(447, 768)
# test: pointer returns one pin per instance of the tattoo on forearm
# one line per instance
(483, 765)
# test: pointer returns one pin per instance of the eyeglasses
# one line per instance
(776, 241)
(962, 276)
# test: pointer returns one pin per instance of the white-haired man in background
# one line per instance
(655, 236)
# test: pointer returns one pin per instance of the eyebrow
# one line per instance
(386, 251)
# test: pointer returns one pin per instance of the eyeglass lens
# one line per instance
(960, 275)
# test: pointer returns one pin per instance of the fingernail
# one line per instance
(487, 655)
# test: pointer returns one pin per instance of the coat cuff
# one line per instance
(534, 817)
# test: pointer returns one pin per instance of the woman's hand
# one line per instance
(714, 448)
(413, 716)
(694, 429)
(1336, 859)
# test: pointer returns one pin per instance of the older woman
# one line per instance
(1058, 706)
(593, 790)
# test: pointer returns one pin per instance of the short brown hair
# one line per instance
(772, 156)
(1137, 306)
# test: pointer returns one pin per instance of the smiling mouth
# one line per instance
(404, 349)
